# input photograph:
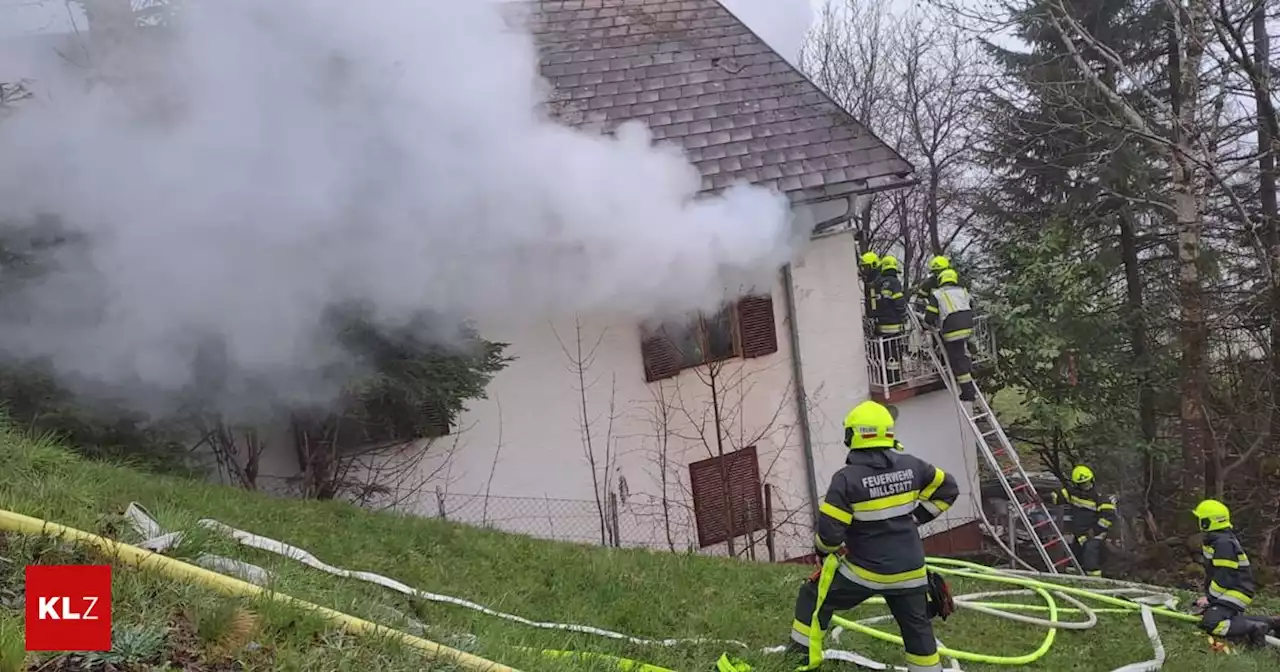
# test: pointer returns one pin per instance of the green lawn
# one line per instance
(641, 593)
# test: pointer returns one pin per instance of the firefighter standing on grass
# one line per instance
(950, 311)
(871, 513)
(1092, 516)
(1228, 580)
(890, 316)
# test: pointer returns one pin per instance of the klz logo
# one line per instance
(68, 608)
(49, 609)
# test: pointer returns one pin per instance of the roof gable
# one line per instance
(699, 77)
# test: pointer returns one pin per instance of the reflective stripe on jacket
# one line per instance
(874, 507)
(891, 304)
(952, 308)
(1091, 514)
(1228, 574)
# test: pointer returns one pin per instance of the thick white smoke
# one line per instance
(260, 160)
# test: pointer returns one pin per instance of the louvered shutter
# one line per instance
(741, 479)
(757, 330)
(660, 356)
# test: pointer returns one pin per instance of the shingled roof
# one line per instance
(698, 76)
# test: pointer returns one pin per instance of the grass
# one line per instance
(647, 594)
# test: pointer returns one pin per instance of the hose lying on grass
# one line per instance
(1147, 601)
(176, 569)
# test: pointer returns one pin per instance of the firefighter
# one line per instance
(890, 317)
(1228, 580)
(1092, 516)
(869, 271)
(950, 311)
(871, 514)
(922, 293)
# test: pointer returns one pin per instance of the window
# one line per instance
(745, 328)
(727, 497)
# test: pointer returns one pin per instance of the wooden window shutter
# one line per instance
(660, 356)
(435, 420)
(758, 333)
(745, 502)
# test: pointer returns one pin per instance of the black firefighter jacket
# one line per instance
(874, 507)
(1228, 578)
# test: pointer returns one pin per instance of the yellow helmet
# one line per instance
(868, 425)
(948, 277)
(870, 259)
(1213, 515)
(1081, 475)
(888, 263)
(939, 263)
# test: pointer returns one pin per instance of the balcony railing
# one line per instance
(913, 366)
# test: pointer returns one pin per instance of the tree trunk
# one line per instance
(1267, 143)
(1185, 55)
(1141, 351)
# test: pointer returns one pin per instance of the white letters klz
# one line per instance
(48, 609)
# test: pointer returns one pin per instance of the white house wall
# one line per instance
(526, 444)
(833, 352)
(930, 426)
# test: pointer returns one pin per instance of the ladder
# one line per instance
(1002, 457)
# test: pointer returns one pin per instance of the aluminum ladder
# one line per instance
(1002, 457)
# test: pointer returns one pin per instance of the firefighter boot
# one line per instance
(1256, 636)
(1275, 625)
(797, 655)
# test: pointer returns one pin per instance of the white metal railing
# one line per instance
(898, 361)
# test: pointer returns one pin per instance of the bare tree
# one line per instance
(598, 452)
(712, 404)
(661, 418)
(237, 451)
(912, 78)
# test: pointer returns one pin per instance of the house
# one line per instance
(719, 432)
(727, 425)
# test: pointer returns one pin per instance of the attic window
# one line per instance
(745, 328)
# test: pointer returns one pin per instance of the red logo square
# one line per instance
(68, 608)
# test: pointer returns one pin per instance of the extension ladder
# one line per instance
(1002, 457)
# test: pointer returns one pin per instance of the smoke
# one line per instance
(255, 163)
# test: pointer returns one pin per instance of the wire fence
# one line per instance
(645, 521)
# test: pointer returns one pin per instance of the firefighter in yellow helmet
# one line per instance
(950, 311)
(869, 271)
(1228, 580)
(1091, 517)
(937, 265)
(890, 317)
(871, 514)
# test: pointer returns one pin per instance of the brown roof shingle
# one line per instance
(698, 76)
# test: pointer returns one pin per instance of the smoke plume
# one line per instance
(255, 162)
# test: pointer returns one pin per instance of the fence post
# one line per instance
(768, 521)
(614, 530)
(440, 503)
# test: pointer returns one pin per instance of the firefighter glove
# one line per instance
(940, 603)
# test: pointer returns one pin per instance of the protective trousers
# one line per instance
(910, 609)
(961, 366)
(1089, 553)
(1229, 623)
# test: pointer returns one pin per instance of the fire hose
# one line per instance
(1144, 600)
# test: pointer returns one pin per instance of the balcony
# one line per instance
(916, 372)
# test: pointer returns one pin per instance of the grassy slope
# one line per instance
(638, 592)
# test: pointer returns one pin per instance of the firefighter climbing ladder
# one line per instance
(1000, 454)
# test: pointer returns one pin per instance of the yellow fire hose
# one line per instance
(176, 569)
